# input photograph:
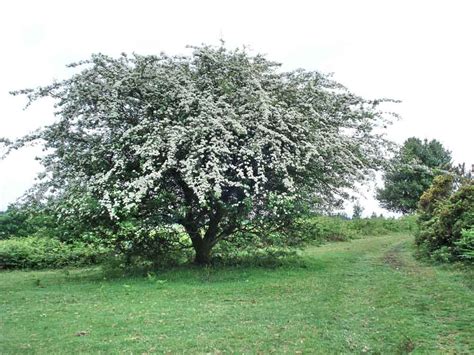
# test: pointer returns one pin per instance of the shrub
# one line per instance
(443, 255)
(38, 253)
(325, 228)
(381, 226)
(465, 245)
(267, 256)
(24, 221)
(446, 219)
(12, 223)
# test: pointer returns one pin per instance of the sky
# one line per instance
(419, 52)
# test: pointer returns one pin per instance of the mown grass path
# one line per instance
(364, 296)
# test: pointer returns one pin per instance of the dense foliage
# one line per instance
(465, 245)
(42, 252)
(411, 172)
(271, 249)
(13, 223)
(22, 221)
(328, 228)
(446, 220)
(220, 142)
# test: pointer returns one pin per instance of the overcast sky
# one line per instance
(420, 52)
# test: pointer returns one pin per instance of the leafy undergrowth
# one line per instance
(368, 295)
(41, 252)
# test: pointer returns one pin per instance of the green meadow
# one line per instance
(363, 296)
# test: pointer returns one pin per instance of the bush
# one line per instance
(24, 221)
(39, 253)
(446, 221)
(140, 246)
(381, 226)
(137, 248)
(256, 250)
(325, 228)
(12, 223)
(465, 245)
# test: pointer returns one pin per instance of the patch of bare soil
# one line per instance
(393, 258)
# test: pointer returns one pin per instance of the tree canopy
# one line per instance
(219, 142)
(411, 172)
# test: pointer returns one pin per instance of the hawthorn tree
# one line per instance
(219, 142)
(411, 172)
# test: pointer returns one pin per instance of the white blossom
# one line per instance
(217, 128)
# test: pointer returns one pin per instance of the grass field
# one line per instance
(365, 296)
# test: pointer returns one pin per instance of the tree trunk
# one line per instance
(203, 244)
(202, 247)
(203, 252)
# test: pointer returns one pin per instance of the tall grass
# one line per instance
(331, 228)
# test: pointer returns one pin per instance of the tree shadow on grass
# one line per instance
(223, 269)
